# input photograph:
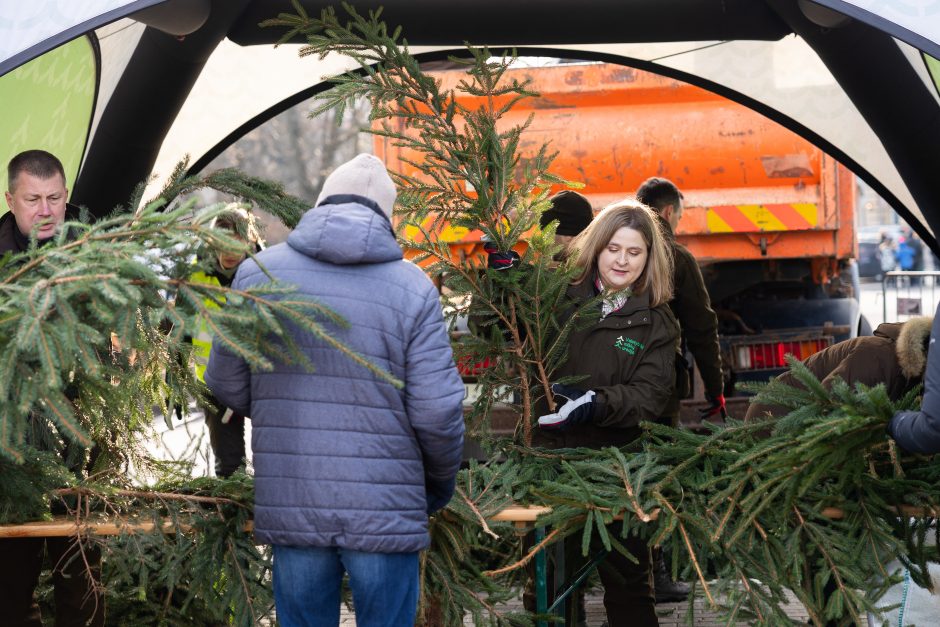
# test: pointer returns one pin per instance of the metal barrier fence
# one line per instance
(906, 294)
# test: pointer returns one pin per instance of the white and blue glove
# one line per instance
(577, 409)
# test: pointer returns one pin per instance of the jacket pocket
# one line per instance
(683, 381)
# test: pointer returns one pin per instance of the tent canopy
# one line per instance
(189, 76)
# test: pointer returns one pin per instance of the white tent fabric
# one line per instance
(787, 76)
(237, 84)
(24, 26)
(916, 22)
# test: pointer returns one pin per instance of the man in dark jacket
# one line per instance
(919, 431)
(895, 355)
(690, 302)
(699, 325)
(36, 196)
(347, 465)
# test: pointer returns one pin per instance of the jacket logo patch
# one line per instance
(628, 345)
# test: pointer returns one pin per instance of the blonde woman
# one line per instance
(627, 358)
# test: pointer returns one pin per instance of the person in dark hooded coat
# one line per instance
(895, 355)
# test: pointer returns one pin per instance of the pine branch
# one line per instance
(267, 195)
(58, 307)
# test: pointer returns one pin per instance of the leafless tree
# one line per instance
(297, 150)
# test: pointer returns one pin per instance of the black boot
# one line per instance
(667, 590)
(582, 609)
(577, 598)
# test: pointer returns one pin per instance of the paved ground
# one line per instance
(670, 614)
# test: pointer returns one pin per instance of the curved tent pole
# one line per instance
(143, 106)
(898, 106)
(203, 161)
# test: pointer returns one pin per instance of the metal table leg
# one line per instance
(541, 575)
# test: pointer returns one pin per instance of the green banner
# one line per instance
(47, 104)
(934, 67)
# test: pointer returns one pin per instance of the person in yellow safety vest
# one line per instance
(226, 428)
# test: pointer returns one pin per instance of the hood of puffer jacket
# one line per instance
(911, 346)
(346, 233)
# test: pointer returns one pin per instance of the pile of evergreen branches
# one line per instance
(814, 505)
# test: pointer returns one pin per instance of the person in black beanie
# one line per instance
(572, 211)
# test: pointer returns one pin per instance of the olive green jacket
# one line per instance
(629, 360)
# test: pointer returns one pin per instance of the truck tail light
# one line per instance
(468, 368)
(770, 355)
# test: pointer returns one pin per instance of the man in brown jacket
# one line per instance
(895, 355)
(699, 325)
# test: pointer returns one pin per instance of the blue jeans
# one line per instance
(307, 584)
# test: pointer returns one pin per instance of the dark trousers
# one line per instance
(628, 586)
(226, 439)
(78, 600)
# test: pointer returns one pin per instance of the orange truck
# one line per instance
(768, 216)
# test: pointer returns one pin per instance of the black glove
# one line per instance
(500, 260)
(716, 406)
(438, 493)
(578, 408)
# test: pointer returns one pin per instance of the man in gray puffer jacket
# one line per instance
(348, 467)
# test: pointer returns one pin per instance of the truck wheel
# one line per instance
(864, 327)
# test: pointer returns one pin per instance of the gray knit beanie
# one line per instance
(365, 175)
